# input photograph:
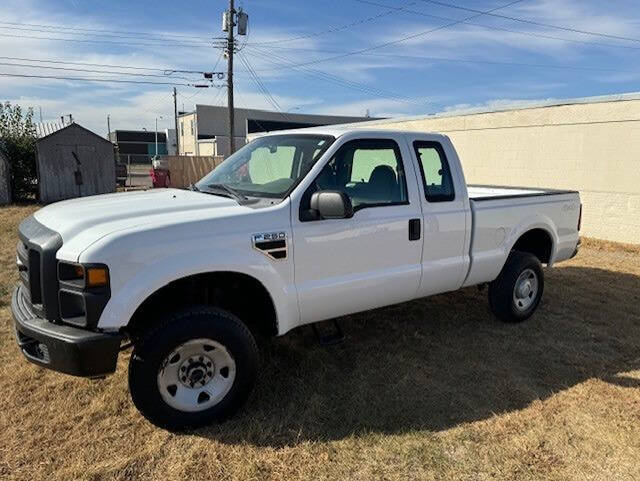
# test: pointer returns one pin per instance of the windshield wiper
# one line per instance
(231, 192)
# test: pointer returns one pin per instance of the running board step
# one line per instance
(327, 336)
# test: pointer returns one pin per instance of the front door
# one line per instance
(348, 265)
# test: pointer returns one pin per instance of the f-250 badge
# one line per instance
(271, 244)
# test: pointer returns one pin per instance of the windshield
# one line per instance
(268, 166)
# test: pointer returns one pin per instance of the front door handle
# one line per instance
(414, 229)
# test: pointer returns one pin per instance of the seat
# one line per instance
(382, 185)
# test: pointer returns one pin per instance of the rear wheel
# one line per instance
(195, 368)
(516, 293)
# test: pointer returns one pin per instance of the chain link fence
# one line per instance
(132, 172)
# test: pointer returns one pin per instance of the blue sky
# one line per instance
(484, 61)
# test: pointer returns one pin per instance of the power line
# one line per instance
(108, 35)
(335, 29)
(114, 42)
(65, 27)
(408, 37)
(455, 60)
(498, 28)
(93, 79)
(108, 72)
(64, 62)
(318, 74)
(532, 22)
(256, 79)
(154, 106)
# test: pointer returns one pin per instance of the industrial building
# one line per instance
(74, 162)
(139, 146)
(589, 144)
(205, 131)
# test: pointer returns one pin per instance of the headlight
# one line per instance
(88, 276)
(84, 292)
(70, 272)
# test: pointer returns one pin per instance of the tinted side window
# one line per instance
(369, 171)
(436, 175)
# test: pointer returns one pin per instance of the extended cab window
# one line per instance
(369, 171)
(436, 175)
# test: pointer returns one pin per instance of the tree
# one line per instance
(18, 143)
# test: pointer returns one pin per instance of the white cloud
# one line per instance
(376, 107)
(136, 106)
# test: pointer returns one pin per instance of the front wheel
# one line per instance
(516, 293)
(197, 367)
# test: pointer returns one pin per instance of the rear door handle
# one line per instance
(414, 229)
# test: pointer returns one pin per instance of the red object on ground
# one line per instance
(160, 177)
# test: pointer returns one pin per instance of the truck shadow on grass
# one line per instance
(434, 363)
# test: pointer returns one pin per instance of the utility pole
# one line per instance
(230, 46)
(175, 119)
(108, 128)
(230, 19)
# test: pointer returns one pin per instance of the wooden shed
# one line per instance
(74, 162)
(5, 180)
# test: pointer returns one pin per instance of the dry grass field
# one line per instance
(432, 389)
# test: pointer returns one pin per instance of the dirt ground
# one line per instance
(432, 389)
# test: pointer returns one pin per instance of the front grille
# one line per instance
(22, 254)
(34, 277)
(37, 266)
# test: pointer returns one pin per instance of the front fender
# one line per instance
(145, 258)
(128, 292)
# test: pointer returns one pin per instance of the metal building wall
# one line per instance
(63, 176)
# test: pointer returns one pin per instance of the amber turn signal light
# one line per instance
(97, 277)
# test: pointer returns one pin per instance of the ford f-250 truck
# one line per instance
(294, 228)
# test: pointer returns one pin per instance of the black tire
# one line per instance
(501, 290)
(194, 323)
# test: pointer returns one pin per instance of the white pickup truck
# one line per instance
(296, 227)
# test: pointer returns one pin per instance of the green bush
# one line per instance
(18, 143)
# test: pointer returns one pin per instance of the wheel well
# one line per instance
(537, 242)
(240, 294)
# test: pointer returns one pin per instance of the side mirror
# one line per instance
(332, 204)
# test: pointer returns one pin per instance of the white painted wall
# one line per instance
(590, 146)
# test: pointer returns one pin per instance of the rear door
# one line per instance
(446, 215)
(369, 260)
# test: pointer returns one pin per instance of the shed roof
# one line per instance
(74, 125)
(45, 128)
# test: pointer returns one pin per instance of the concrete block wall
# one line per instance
(593, 147)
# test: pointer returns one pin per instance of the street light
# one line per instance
(161, 118)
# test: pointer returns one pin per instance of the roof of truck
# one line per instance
(339, 130)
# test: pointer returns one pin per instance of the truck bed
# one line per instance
(498, 213)
(492, 192)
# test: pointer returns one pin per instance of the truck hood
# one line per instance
(84, 221)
